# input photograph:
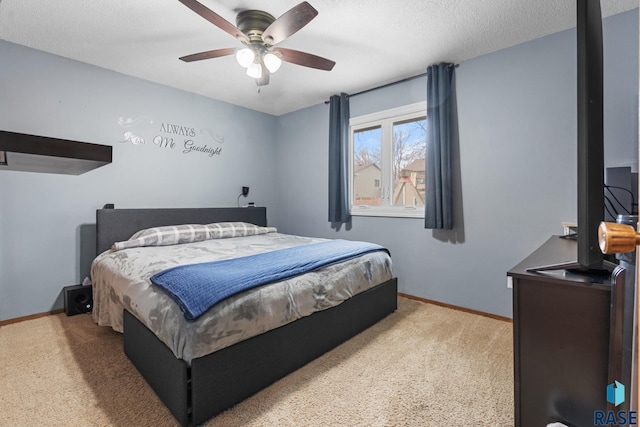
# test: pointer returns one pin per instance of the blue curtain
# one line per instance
(438, 204)
(339, 158)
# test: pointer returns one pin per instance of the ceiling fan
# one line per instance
(260, 32)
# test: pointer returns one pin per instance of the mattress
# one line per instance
(121, 280)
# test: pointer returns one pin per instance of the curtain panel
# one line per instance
(439, 199)
(338, 159)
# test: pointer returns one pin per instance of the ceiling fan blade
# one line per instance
(215, 19)
(209, 54)
(289, 23)
(304, 59)
(264, 80)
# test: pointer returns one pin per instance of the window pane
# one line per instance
(367, 144)
(409, 147)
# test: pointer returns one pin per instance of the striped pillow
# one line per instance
(223, 230)
(187, 233)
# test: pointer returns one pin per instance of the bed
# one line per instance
(203, 371)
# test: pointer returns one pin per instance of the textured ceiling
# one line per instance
(373, 42)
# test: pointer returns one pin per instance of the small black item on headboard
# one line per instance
(108, 206)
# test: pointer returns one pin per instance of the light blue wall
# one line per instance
(515, 165)
(515, 168)
(43, 216)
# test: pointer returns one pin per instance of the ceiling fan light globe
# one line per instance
(245, 57)
(272, 62)
(254, 70)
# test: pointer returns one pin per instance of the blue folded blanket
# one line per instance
(197, 287)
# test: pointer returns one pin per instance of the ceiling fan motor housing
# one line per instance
(253, 23)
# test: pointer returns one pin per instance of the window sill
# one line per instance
(391, 213)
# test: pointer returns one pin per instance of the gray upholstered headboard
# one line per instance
(116, 225)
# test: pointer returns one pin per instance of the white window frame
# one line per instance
(385, 120)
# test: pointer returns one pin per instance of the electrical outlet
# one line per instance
(509, 282)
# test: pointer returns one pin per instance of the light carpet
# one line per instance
(424, 365)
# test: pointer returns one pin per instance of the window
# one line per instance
(387, 161)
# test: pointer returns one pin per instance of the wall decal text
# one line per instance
(170, 136)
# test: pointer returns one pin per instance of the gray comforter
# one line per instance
(121, 281)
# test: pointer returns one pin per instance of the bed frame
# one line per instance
(218, 381)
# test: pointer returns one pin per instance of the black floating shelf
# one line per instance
(31, 153)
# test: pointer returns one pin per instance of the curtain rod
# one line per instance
(390, 84)
(387, 85)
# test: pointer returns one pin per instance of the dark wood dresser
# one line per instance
(561, 324)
